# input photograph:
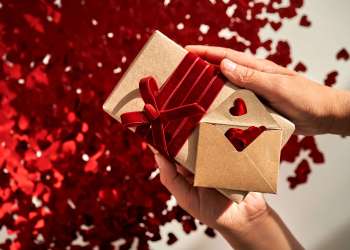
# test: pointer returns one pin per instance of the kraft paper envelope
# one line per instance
(256, 167)
(159, 58)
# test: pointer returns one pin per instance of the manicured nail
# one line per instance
(228, 65)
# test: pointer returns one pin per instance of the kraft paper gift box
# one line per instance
(181, 105)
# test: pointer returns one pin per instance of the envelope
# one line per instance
(255, 167)
(207, 152)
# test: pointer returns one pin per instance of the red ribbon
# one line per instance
(156, 117)
(172, 113)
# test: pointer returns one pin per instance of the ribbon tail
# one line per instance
(159, 139)
(133, 119)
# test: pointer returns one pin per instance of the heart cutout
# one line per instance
(239, 108)
(241, 138)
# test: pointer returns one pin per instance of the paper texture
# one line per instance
(159, 58)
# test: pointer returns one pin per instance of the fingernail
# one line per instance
(228, 65)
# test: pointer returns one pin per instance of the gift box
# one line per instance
(186, 109)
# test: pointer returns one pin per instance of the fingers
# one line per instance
(217, 54)
(264, 84)
(185, 173)
(183, 191)
(210, 53)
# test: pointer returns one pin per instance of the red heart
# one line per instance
(276, 25)
(343, 54)
(300, 67)
(238, 107)
(240, 138)
(304, 21)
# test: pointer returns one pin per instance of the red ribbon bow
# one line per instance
(156, 116)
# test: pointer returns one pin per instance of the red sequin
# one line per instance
(239, 108)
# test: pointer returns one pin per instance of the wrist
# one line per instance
(339, 114)
(267, 231)
(244, 234)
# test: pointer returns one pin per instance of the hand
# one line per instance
(251, 224)
(312, 107)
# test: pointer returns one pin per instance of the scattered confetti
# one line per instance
(331, 78)
(304, 21)
(91, 178)
(300, 67)
(343, 54)
(301, 174)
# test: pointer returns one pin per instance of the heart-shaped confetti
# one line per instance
(304, 21)
(239, 108)
(241, 138)
(343, 54)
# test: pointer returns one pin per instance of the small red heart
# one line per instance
(276, 25)
(238, 107)
(240, 138)
(300, 67)
(304, 21)
(331, 78)
(343, 54)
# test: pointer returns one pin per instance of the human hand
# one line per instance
(312, 107)
(251, 224)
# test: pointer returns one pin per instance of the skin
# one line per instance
(314, 109)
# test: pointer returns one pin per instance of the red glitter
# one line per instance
(304, 21)
(343, 54)
(331, 78)
(239, 108)
(88, 176)
(240, 138)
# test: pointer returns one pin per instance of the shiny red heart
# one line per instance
(241, 138)
(239, 108)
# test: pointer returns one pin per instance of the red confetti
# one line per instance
(239, 108)
(343, 54)
(210, 232)
(304, 21)
(276, 25)
(331, 78)
(171, 239)
(67, 168)
(301, 174)
(308, 143)
(300, 67)
(240, 138)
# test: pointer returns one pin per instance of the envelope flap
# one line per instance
(219, 165)
(256, 115)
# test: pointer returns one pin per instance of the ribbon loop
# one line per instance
(151, 112)
(151, 115)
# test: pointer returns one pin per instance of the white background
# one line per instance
(318, 213)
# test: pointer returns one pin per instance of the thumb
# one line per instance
(262, 83)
